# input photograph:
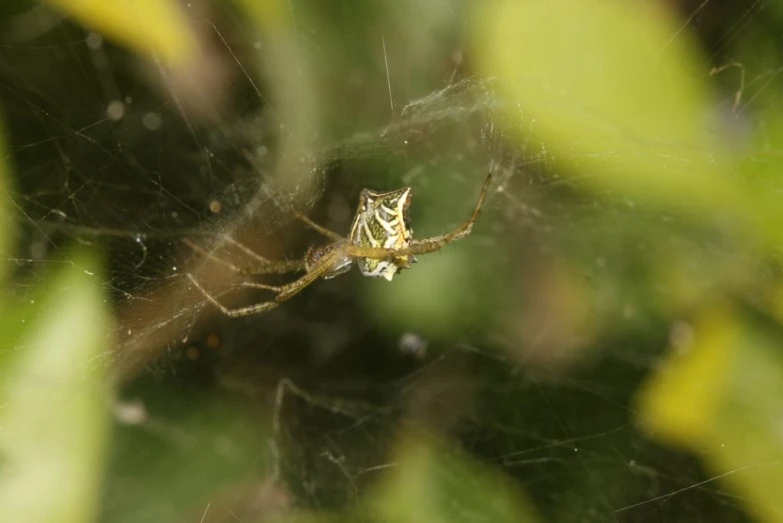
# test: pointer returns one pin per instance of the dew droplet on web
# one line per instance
(37, 250)
(151, 121)
(412, 343)
(94, 41)
(130, 412)
(115, 110)
(213, 341)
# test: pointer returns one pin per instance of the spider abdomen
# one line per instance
(382, 220)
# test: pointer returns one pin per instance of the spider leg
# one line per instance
(323, 230)
(275, 267)
(321, 267)
(254, 285)
(234, 313)
(209, 255)
(242, 247)
(265, 266)
(284, 292)
(427, 245)
(436, 243)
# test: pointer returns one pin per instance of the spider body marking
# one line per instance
(380, 242)
(383, 220)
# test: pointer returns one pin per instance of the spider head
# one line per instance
(332, 255)
(383, 220)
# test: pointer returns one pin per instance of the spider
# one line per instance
(380, 242)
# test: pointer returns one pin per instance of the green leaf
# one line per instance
(6, 214)
(54, 392)
(196, 449)
(433, 482)
(618, 94)
(606, 81)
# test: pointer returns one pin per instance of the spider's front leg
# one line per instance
(427, 245)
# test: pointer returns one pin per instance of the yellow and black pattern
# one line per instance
(383, 220)
(381, 242)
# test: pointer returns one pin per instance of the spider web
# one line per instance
(303, 407)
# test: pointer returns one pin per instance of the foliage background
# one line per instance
(606, 345)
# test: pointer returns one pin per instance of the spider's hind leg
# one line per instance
(254, 285)
(323, 230)
(263, 266)
(233, 313)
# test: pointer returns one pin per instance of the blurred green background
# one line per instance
(607, 345)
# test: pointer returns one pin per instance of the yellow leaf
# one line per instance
(680, 402)
(156, 28)
(722, 399)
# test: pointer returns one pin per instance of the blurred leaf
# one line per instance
(156, 28)
(296, 103)
(447, 293)
(619, 94)
(681, 403)
(607, 82)
(440, 285)
(53, 420)
(269, 14)
(721, 394)
(303, 516)
(432, 482)
(6, 214)
(194, 448)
